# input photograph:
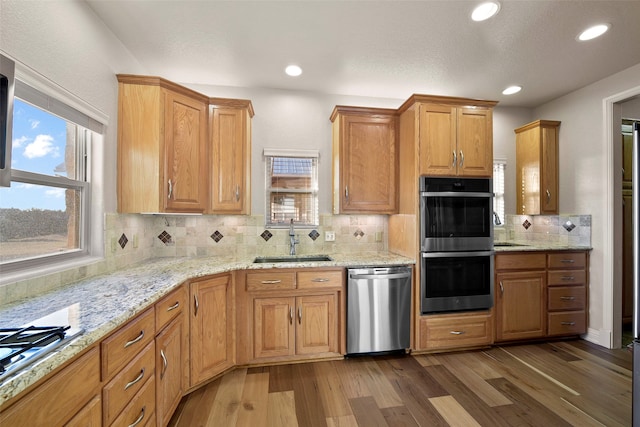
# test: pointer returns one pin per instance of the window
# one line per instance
(498, 189)
(291, 187)
(44, 214)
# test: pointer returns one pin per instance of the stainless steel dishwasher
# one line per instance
(378, 309)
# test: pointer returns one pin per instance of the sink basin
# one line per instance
(300, 258)
(499, 244)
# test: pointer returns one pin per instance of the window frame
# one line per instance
(499, 197)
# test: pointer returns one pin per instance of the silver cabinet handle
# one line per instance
(548, 196)
(237, 193)
(455, 160)
(140, 418)
(196, 305)
(164, 364)
(290, 315)
(461, 158)
(346, 192)
(567, 261)
(299, 314)
(567, 298)
(170, 190)
(456, 332)
(568, 323)
(134, 381)
(568, 278)
(501, 288)
(271, 282)
(135, 340)
(320, 280)
(174, 306)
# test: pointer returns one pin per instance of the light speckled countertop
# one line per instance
(105, 303)
(512, 246)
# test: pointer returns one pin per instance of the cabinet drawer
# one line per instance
(141, 408)
(452, 332)
(121, 347)
(124, 386)
(567, 323)
(268, 281)
(60, 397)
(320, 278)
(526, 261)
(566, 277)
(170, 306)
(567, 298)
(566, 260)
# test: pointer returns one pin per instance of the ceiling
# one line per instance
(385, 49)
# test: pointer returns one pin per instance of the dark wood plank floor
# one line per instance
(569, 383)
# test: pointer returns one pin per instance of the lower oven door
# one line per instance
(456, 281)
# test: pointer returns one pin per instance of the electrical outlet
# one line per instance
(135, 241)
(378, 236)
(329, 236)
(114, 244)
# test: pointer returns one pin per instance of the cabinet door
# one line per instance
(549, 172)
(316, 328)
(170, 362)
(475, 142)
(368, 156)
(438, 148)
(229, 159)
(273, 327)
(185, 166)
(89, 416)
(212, 327)
(520, 305)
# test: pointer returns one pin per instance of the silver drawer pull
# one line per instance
(174, 306)
(568, 298)
(164, 364)
(568, 323)
(457, 332)
(132, 382)
(135, 340)
(567, 261)
(271, 282)
(320, 280)
(568, 278)
(140, 418)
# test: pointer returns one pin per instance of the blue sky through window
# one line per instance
(39, 141)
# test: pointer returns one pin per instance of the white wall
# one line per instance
(584, 179)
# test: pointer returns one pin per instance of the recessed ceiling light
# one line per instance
(511, 90)
(485, 11)
(293, 70)
(593, 32)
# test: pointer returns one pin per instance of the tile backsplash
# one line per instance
(555, 229)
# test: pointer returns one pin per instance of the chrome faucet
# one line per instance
(292, 239)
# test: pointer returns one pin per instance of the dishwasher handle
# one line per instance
(380, 276)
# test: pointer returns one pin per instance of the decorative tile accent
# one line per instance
(569, 226)
(526, 224)
(217, 236)
(266, 235)
(314, 235)
(123, 241)
(165, 238)
(358, 234)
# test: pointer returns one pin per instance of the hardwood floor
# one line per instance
(570, 383)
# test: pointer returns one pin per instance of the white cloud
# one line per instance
(57, 193)
(24, 186)
(34, 123)
(40, 147)
(19, 142)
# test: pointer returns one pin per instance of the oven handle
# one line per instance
(456, 254)
(454, 194)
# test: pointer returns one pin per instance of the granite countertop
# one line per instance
(517, 246)
(104, 303)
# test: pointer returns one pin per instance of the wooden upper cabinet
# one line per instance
(230, 130)
(162, 147)
(365, 160)
(455, 140)
(537, 168)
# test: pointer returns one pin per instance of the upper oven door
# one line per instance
(456, 220)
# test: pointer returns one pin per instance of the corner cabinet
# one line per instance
(230, 138)
(212, 327)
(365, 160)
(162, 147)
(537, 168)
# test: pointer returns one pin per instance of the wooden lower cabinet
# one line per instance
(212, 327)
(520, 305)
(89, 416)
(456, 330)
(171, 360)
(68, 393)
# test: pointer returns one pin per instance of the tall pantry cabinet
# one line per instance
(441, 136)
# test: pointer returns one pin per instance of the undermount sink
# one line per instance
(498, 244)
(300, 258)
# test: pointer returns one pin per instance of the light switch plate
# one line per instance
(329, 236)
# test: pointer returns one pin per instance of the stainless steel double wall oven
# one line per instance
(456, 238)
